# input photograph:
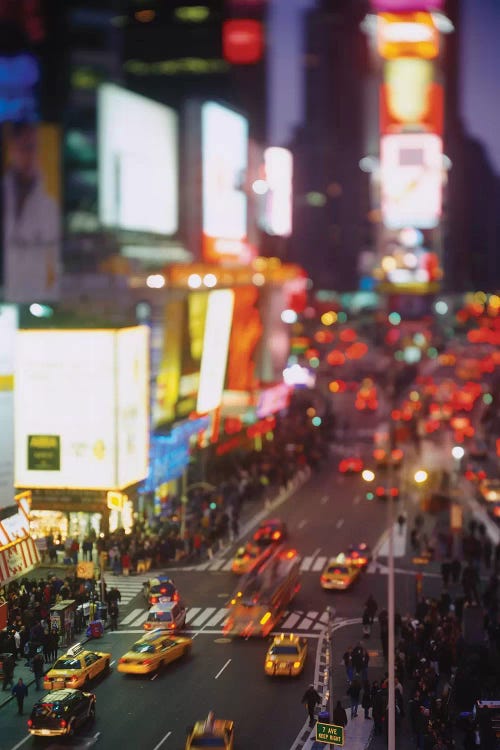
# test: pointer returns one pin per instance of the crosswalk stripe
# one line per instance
(204, 616)
(319, 563)
(305, 624)
(306, 563)
(192, 612)
(140, 620)
(228, 565)
(203, 566)
(131, 616)
(216, 565)
(220, 615)
(291, 620)
(312, 615)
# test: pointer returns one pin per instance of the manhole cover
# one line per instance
(222, 640)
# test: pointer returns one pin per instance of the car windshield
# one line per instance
(208, 742)
(143, 648)
(338, 570)
(167, 589)
(159, 617)
(46, 709)
(67, 664)
(284, 650)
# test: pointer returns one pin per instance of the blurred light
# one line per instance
(370, 495)
(441, 307)
(144, 16)
(41, 311)
(410, 237)
(289, 316)
(316, 421)
(260, 187)
(399, 355)
(368, 475)
(412, 354)
(155, 281)
(210, 280)
(420, 476)
(194, 281)
(414, 396)
(315, 199)
(432, 352)
(410, 260)
(311, 412)
(388, 263)
(487, 399)
(329, 318)
(314, 362)
(394, 318)
(259, 279)
(368, 164)
(342, 317)
(213, 506)
(143, 311)
(457, 452)
(192, 13)
(443, 23)
(419, 339)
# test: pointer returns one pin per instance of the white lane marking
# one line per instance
(207, 612)
(302, 523)
(316, 552)
(113, 662)
(221, 670)
(131, 616)
(162, 741)
(324, 500)
(291, 620)
(216, 565)
(228, 565)
(28, 736)
(192, 612)
(220, 615)
(139, 620)
(202, 566)
(154, 676)
(306, 563)
(319, 563)
(305, 624)
(339, 523)
(356, 500)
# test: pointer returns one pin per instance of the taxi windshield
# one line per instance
(285, 650)
(208, 742)
(143, 648)
(159, 617)
(338, 570)
(67, 664)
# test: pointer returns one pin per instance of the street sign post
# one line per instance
(330, 733)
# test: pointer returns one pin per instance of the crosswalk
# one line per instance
(128, 586)
(208, 618)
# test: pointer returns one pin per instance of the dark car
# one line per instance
(61, 712)
(271, 531)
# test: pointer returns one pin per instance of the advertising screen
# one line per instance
(138, 162)
(31, 212)
(8, 330)
(407, 35)
(246, 332)
(81, 408)
(410, 97)
(224, 139)
(411, 180)
(278, 163)
(215, 349)
(402, 6)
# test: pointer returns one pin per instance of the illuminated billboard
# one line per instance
(411, 180)
(278, 165)
(407, 35)
(8, 331)
(138, 162)
(405, 101)
(224, 143)
(31, 212)
(81, 408)
(404, 6)
(242, 41)
(215, 349)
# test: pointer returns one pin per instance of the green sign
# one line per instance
(44, 453)
(330, 733)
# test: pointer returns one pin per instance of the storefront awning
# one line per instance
(17, 559)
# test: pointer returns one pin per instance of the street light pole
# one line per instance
(391, 736)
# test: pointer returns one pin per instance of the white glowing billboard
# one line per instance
(278, 165)
(411, 180)
(8, 331)
(215, 349)
(224, 155)
(138, 162)
(82, 408)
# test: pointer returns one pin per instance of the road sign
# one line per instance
(330, 733)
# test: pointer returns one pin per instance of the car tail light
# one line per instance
(380, 492)
(73, 679)
(171, 625)
(175, 597)
(276, 535)
(154, 600)
(324, 579)
(30, 723)
(296, 664)
(63, 723)
(122, 661)
(394, 492)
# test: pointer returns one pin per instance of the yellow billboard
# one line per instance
(215, 349)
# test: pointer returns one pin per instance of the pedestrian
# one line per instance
(339, 715)
(366, 620)
(366, 700)
(348, 665)
(8, 672)
(456, 568)
(20, 691)
(113, 616)
(311, 698)
(379, 705)
(354, 691)
(37, 666)
(372, 607)
(445, 572)
(401, 523)
(415, 540)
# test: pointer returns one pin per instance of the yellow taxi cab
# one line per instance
(248, 557)
(339, 573)
(152, 651)
(76, 668)
(286, 655)
(211, 732)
